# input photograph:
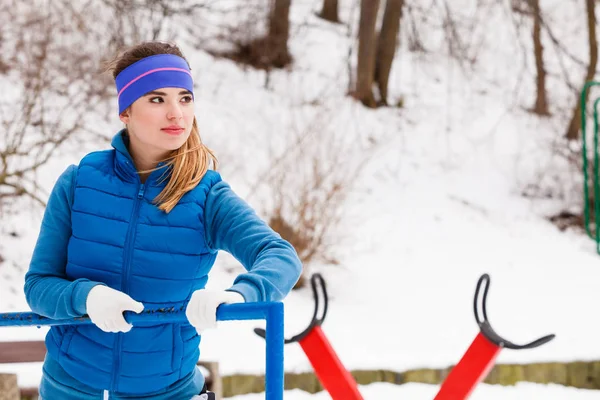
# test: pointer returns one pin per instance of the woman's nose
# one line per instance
(174, 112)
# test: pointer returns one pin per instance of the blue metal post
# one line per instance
(274, 377)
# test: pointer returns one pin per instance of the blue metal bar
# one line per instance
(272, 312)
(32, 319)
(225, 312)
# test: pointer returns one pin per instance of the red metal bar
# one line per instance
(471, 369)
(334, 377)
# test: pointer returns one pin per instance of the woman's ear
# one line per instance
(124, 117)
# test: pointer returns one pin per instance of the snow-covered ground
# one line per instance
(416, 391)
(440, 203)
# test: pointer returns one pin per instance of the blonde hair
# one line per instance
(190, 162)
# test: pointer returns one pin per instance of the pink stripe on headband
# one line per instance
(150, 72)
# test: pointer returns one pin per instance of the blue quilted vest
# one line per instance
(120, 238)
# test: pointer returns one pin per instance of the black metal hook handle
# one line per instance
(316, 321)
(486, 328)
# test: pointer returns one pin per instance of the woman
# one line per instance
(139, 227)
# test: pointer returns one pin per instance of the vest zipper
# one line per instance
(127, 256)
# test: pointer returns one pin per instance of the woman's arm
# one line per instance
(47, 289)
(272, 263)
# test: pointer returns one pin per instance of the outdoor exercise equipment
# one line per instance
(481, 355)
(596, 183)
(473, 367)
(330, 371)
(272, 312)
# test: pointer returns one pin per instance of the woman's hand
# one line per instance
(201, 310)
(105, 307)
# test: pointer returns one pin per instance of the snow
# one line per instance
(417, 391)
(460, 183)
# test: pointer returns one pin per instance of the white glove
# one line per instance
(105, 307)
(201, 310)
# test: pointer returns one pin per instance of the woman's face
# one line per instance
(160, 121)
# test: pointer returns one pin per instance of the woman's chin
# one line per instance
(174, 142)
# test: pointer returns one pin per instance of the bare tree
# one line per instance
(329, 12)
(415, 43)
(279, 33)
(54, 89)
(386, 45)
(541, 100)
(258, 37)
(575, 123)
(132, 21)
(307, 184)
(531, 8)
(367, 47)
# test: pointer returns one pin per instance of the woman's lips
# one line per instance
(173, 131)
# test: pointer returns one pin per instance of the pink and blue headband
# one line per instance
(151, 73)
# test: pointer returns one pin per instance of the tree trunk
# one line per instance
(279, 32)
(541, 101)
(9, 390)
(366, 52)
(386, 45)
(575, 124)
(329, 11)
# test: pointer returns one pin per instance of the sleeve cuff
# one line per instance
(80, 294)
(248, 291)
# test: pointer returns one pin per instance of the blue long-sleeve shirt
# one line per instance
(231, 224)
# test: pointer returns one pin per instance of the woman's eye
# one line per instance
(187, 99)
(156, 100)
